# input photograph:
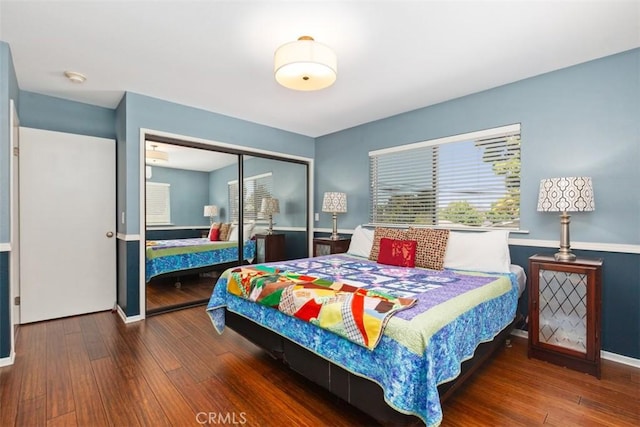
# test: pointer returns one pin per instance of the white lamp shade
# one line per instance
(334, 202)
(210, 210)
(305, 65)
(567, 194)
(270, 206)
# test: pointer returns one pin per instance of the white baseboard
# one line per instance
(607, 355)
(7, 361)
(128, 319)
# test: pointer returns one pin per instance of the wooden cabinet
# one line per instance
(270, 247)
(564, 312)
(326, 246)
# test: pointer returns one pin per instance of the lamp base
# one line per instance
(564, 256)
(334, 234)
(565, 247)
(270, 229)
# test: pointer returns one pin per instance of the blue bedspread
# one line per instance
(166, 256)
(422, 347)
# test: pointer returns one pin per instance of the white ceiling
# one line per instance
(393, 56)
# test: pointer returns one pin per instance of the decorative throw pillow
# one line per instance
(379, 233)
(214, 226)
(401, 253)
(432, 246)
(225, 229)
(214, 234)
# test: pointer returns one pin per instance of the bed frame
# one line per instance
(360, 392)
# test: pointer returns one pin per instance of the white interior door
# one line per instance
(67, 224)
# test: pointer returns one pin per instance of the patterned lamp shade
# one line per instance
(270, 206)
(210, 210)
(334, 202)
(568, 194)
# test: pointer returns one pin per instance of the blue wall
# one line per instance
(582, 120)
(50, 113)
(189, 194)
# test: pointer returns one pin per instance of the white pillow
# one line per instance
(361, 242)
(247, 231)
(233, 233)
(478, 251)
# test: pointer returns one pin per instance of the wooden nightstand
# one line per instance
(326, 246)
(270, 247)
(564, 312)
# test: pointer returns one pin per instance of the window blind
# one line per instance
(256, 188)
(468, 180)
(158, 203)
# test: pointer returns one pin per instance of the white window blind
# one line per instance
(256, 188)
(469, 180)
(158, 203)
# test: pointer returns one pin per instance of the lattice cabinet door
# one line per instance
(564, 312)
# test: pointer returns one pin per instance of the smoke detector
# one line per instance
(75, 77)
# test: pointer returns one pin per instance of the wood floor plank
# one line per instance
(33, 336)
(66, 420)
(210, 397)
(88, 402)
(10, 383)
(59, 389)
(32, 412)
(185, 355)
(94, 343)
(115, 395)
(173, 404)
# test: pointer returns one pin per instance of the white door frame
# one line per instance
(14, 221)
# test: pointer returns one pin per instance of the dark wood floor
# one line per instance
(173, 369)
(163, 292)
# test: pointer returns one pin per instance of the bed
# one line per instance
(451, 315)
(185, 256)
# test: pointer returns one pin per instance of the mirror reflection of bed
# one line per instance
(193, 210)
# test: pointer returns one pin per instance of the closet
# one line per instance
(194, 185)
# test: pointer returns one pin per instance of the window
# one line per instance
(468, 180)
(255, 189)
(158, 203)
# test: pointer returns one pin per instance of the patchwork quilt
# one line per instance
(355, 313)
(453, 312)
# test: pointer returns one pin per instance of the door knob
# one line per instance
(109, 234)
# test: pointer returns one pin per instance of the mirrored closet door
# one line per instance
(208, 210)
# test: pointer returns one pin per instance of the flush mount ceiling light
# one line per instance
(156, 157)
(305, 64)
(75, 77)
